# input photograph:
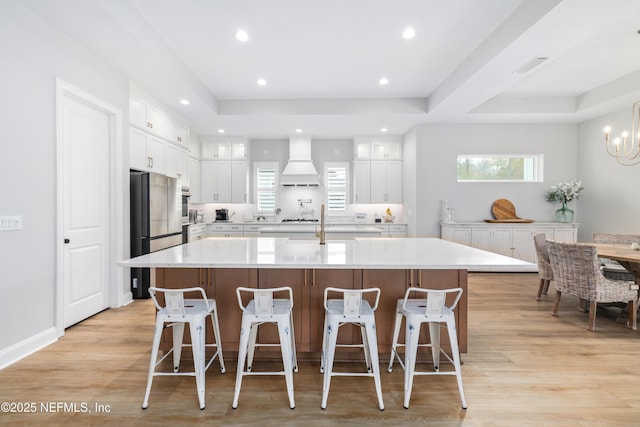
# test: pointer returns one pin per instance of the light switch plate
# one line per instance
(8, 223)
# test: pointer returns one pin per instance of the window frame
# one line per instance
(257, 189)
(328, 188)
(536, 169)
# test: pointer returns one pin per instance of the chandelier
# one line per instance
(626, 147)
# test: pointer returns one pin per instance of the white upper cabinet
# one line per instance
(378, 148)
(177, 163)
(224, 150)
(147, 116)
(386, 181)
(361, 182)
(240, 182)
(194, 179)
(215, 182)
(146, 152)
(386, 150)
(377, 170)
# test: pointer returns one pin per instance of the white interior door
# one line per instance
(85, 163)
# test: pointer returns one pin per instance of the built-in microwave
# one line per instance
(185, 204)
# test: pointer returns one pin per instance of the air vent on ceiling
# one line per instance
(530, 65)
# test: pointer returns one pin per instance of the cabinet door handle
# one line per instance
(304, 278)
(313, 278)
(419, 284)
(408, 276)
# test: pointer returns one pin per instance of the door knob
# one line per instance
(66, 241)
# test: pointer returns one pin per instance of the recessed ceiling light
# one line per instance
(242, 35)
(184, 101)
(299, 130)
(408, 33)
(220, 130)
(262, 82)
(384, 130)
(383, 81)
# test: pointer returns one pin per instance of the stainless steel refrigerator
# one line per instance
(156, 209)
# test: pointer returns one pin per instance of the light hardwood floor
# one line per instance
(523, 368)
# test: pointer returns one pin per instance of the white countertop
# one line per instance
(366, 253)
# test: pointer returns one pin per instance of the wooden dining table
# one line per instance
(624, 254)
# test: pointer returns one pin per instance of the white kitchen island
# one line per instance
(221, 264)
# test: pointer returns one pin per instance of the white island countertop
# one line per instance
(360, 253)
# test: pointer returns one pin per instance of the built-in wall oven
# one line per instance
(186, 195)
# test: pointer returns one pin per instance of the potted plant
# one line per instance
(564, 192)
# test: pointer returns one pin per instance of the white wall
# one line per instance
(33, 54)
(437, 148)
(610, 202)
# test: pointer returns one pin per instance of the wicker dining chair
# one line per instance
(611, 268)
(576, 271)
(544, 266)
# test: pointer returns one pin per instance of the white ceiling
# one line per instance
(322, 60)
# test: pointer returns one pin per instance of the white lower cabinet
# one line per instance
(253, 230)
(514, 240)
(224, 230)
(397, 230)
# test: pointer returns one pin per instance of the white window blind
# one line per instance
(266, 185)
(336, 188)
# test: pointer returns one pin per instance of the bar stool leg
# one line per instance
(242, 356)
(453, 337)
(329, 354)
(154, 358)
(253, 335)
(178, 335)
(434, 336)
(284, 331)
(394, 343)
(324, 344)
(365, 346)
(197, 329)
(292, 337)
(411, 351)
(372, 348)
(216, 335)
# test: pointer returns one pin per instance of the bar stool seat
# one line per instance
(353, 309)
(434, 312)
(263, 308)
(177, 311)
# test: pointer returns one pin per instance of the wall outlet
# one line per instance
(8, 223)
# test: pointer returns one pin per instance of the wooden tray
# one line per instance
(512, 220)
(503, 209)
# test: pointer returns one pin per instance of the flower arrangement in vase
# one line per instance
(564, 192)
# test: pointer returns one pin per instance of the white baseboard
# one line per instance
(126, 299)
(11, 355)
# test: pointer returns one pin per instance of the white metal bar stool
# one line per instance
(177, 311)
(435, 312)
(353, 309)
(263, 308)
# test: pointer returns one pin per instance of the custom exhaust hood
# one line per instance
(299, 171)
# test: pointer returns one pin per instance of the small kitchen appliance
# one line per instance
(222, 214)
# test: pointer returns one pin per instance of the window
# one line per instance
(500, 168)
(266, 186)
(337, 184)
